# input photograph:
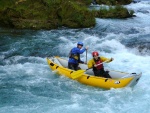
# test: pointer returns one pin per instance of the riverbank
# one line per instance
(47, 14)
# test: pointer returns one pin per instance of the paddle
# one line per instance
(79, 73)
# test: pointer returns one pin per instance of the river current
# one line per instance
(27, 85)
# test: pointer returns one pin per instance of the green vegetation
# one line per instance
(114, 12)
(114, 2)
(52, 14)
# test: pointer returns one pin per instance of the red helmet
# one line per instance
(95, 53)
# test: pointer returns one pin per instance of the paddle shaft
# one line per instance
(97, 65)
(102, 63)
(86, 55)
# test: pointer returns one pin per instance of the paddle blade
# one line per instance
(77, 74)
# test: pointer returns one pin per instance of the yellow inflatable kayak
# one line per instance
(118, 80)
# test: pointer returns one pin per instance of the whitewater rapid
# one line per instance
(27, 85)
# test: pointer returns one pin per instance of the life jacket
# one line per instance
(98, 61)
(74, 56)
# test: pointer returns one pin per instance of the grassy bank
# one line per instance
(52, 14)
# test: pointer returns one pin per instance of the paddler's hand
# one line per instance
(111, 59)
(95, 65)
(86, 47)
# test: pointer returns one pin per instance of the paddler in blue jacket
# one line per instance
(74, 56)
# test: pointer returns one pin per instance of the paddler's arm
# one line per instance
(90, 63)
(107, 60)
